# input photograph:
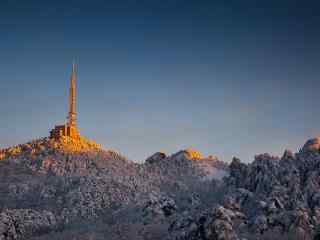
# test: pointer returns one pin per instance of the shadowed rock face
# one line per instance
(76, 190)
(158, 156)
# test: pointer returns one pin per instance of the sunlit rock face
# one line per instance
(80, 144)
(187, 164)
(61, 156)
(48, 145)
(312, 145)
(188, 153)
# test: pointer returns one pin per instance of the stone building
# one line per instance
(69, 129)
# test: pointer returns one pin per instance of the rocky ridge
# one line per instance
(65, 190)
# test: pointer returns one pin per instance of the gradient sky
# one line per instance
(229, 78)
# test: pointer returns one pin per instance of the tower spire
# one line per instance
(69, 129)
(72, 114)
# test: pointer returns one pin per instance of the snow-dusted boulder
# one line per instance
(156, 157)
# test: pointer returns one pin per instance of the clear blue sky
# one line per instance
(229, 78)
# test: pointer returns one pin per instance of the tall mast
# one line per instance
(72, 114)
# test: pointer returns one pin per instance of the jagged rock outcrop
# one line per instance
(286, 189)
(186, 165)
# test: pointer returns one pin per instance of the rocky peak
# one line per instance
(188, 153)
(156, 157)
(46, 146)
(312, 145)
(192, 153)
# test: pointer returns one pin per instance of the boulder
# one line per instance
(312, 145)
(158, 156)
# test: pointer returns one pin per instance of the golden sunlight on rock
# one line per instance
(192, 153)
(47, 145)
(77, 144)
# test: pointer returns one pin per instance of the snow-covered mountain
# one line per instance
(66, 189)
